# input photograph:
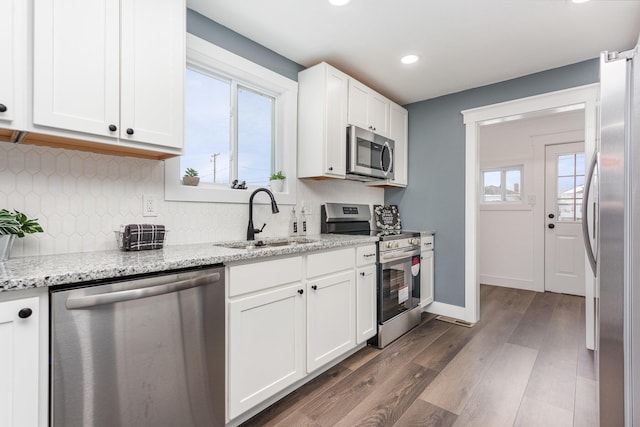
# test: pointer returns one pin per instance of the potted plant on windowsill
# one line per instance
(276, 181)
(190, 177)
(14, 224)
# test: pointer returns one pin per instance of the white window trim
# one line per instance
(502, 170)
(207, 56)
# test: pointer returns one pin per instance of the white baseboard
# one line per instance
(442, 309)
(509, 282)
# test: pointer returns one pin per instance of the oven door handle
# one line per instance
(398, 255)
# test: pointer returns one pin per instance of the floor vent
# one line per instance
(455, 321)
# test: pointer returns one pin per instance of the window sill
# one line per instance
(221, 194)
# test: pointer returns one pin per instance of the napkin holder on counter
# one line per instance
(141, 237)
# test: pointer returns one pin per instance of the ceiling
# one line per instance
(462, 43)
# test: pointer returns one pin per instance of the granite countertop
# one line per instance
(50, 270)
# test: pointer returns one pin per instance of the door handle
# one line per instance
(585, 213)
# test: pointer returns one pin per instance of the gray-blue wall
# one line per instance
(434, 198)
(203, 27)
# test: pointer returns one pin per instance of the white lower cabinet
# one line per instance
(330, 318)
(426, 278)
(366, 303)
(286, 321)
(20, 362)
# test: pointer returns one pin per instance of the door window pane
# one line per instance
(570, 178)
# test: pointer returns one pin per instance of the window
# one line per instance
(502, 185)
(240, 124)
(570, 186)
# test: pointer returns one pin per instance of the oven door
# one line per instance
(398, 283)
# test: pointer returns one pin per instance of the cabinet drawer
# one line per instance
(330, 262)
(366, 255)
(263, 275)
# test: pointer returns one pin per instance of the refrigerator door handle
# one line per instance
(585, 213)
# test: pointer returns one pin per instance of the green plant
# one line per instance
(277, 175)
(17, 223)
(190, 172)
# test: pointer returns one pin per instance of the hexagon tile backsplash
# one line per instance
(80, 198)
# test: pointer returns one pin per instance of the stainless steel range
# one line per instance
(398, 268)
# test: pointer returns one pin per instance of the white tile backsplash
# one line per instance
(80, 198)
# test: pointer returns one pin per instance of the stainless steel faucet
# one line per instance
(251, 231)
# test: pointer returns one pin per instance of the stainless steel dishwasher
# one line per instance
(142, 352)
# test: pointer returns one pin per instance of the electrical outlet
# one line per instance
(149, 207)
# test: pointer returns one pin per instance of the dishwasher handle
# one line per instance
(88, 301)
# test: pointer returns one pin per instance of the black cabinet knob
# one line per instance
(113, 128)
(551, 216)
(330, 168)
(24, 313)
(314, 287)
(362, 273)
(3, 108)
(300, 291)
(129, 131)
(551, 226)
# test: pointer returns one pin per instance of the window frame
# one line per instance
(503, 172)
(203, 56)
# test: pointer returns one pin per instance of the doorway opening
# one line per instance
(581, 98)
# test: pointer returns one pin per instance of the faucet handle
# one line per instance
(259, 230)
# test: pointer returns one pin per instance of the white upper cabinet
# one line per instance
(368, 109)
(110, 69)
(13, 48)
(398, 132)
(322, 122)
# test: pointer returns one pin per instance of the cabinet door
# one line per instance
(7, 52)
(366, 324)
(358, 100)
(378, 113)
(265, 346)
(336, 123)
(152, 69)
(398, 132)
(19, 363)
(426, 278)
(76, 65)
(330, 318)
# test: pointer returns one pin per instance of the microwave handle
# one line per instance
(386, 147)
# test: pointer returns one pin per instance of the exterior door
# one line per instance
(564, 248)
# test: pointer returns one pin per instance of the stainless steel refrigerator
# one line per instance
(612, 219)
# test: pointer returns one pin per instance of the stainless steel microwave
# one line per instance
(369, 155)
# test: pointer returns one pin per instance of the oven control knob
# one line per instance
(389, 245)
(414, 242)
(397, 245)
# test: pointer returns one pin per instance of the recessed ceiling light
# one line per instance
(409, 59)
(339, 2)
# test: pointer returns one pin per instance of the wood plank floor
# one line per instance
(524, 364)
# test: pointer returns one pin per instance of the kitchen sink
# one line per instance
(262, 244)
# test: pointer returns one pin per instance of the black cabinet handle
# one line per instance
(24, 313)
(113, 128)
(330, 168)
(362, 273)
(129, 131)
(3, 108)
(300, 291)
(551, 226)
(314, 287)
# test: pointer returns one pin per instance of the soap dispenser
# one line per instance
(293, 223)
(302, 222)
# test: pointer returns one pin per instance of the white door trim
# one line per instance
(564, 100)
